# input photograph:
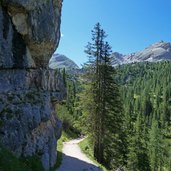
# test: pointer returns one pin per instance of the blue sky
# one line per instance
(131, 25)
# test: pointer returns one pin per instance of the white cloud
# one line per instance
(62, 35)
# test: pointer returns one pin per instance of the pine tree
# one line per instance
(138, 156)
(104, 111)
(64, 77)
(156, 147)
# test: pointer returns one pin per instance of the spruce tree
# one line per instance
(104, 111)
(156, 150)
(138, 155)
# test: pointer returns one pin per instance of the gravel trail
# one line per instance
(74, 159)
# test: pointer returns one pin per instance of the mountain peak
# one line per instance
(156, 52)
(61, 61)
(161, 44)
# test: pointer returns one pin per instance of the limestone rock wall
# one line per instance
(29, 34)
(33, 26)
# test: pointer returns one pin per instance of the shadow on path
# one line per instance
(74, 164)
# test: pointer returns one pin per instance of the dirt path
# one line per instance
(74, 159)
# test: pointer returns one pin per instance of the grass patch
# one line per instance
(87, 148)
(9, 162)
(33, 163)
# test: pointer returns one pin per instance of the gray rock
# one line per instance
(37, 79)
(13, 50)
(117, 58)
(45, 161)
(29, 34)
(39, 24)
(28, 127)
(36, 115)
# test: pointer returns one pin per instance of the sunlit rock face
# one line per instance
(29, 34)
(37, 22)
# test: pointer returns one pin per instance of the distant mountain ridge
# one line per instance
(156, 52)
(61, 61)
(159, 51)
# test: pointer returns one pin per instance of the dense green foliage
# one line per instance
(68, 110)
(146, 91)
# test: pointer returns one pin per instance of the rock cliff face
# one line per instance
(29, 34)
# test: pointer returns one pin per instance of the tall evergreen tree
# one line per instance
(138, 156)
(156, 150)
(104, 113)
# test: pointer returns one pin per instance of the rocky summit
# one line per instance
(29, 35)
(156, 52)
(61, 61)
